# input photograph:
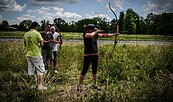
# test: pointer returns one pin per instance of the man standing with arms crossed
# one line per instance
(55, 42)
(33, 43)
(47, 47)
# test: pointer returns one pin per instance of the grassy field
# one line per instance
(75, 36)
(135, 73)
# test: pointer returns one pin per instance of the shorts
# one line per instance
(35, 63)
(93, 59)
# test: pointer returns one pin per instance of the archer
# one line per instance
(90, 37)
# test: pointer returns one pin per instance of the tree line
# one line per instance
(129, 23)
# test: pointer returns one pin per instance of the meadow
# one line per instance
(141, 73)
(78, 36)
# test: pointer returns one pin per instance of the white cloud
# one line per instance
(11, 5)
(158, 6)
(115, 3)
(69, 16)
(29, 11)
(97, 14)
(26, 17)
(58, 9)
(49, 13)
(43, 10)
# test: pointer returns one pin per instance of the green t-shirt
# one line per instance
(32, 39)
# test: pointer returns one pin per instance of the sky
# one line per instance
(15, 11)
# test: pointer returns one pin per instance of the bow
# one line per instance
(61, 42)
(115, 40)
(117, 30)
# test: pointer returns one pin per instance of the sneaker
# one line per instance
(32, 87)
(41, 87)
(98, 88)
(78, 88)
(45, 71)
(95, 87)
(56, 71)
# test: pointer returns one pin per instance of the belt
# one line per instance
(91, 54)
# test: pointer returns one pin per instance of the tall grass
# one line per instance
(134, 73)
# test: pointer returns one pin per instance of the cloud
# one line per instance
(158, 6)
(11, 5)
(26, 17)
(115, 3)
(43, 10)
(97, 14)
(50, 2)
(49, 13)
(58, 9)
(69, 16)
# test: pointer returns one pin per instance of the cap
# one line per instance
(91, 27)
(34, 24)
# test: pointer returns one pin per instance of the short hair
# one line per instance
(34, 24)
(52, 27)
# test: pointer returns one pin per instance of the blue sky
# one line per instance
(15, 11)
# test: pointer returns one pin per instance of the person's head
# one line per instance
(91, 28)
(47, 28)
(34, 25)
(52, 29)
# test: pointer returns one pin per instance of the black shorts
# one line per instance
(90, 60)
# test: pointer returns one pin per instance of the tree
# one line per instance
(121, 21)
(129, 23)
(43, 25)
(59, 22)
(165, 23)
(142, 26)
(25, 25)
(138, 24)
(150, 23)
(4, 25)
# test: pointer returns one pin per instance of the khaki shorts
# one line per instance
(35, 63)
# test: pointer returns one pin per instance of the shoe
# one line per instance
(41, 87)
(45, 71)
(96, 87)
(56, 71)
(78, 88)
(32, 87)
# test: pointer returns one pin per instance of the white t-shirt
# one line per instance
(54, 44)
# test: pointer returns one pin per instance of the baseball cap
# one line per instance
(91, 26)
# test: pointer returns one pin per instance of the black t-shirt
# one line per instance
(47, 37)
(90, 44)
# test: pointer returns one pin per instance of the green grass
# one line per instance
(134, 73)
(79, 36)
